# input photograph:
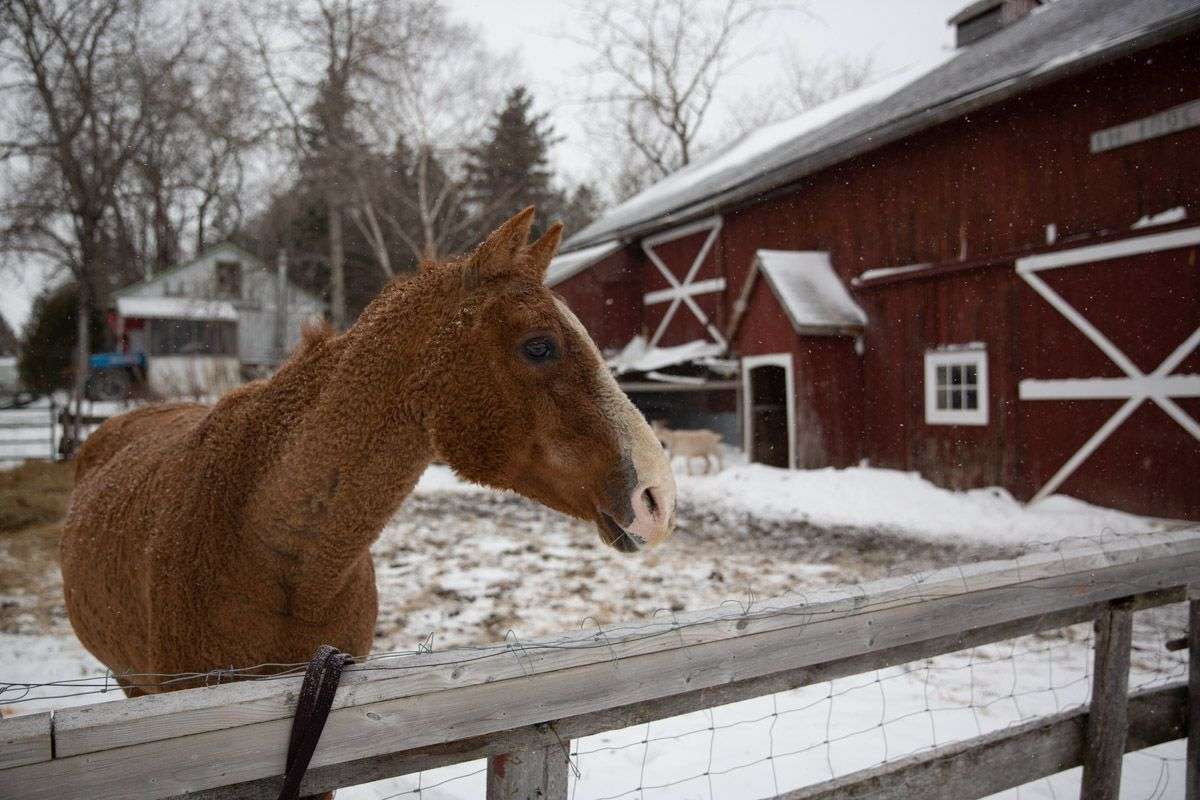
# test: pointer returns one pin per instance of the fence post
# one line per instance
(534, 774)
(1193, 742)
(1108, 715)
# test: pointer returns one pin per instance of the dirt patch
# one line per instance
(33, 500)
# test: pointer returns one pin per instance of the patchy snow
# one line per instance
(809, 290)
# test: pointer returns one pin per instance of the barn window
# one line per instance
(956, 386)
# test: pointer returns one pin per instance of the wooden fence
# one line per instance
(15, 446)
(520, 703)
(53, 421)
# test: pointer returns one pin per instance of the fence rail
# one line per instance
(520, 703)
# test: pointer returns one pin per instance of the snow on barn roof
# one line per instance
(1059, 38)
(570, 264)
(809, 290)
(176, 308)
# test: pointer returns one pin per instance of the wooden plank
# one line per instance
(820, 633)
(390, 765)
(26, 739)
(1193, 745)
(538, 773)
(1108, 720)
(102, 726)
(1006, 758)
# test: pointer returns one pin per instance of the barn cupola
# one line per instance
(982, 18)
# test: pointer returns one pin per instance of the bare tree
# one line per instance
(85, 81)
(437, 97)
(324, 62)
(664, 61)
(805, 85)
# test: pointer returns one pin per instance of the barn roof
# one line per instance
(810, 292)
(176, 308)
(570, 264)
(1055, 41)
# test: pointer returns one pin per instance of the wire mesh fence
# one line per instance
(776, 743)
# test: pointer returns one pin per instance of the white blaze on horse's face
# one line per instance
(640, 510)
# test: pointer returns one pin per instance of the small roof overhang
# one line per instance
(176, 308)
(811, 294)
(568, 265)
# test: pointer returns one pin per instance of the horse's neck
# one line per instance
(347, 457)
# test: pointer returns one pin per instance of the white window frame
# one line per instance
(973, 356)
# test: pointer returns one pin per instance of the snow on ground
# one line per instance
(878, 500)
(461, 564)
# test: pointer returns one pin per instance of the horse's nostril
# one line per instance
(651, 501)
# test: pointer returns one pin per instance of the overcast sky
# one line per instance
(895, 33)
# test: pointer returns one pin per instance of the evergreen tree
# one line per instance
(510, 169)
(46, 362)
(578, 209)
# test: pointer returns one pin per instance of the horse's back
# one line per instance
(108, 533)
(167, 420)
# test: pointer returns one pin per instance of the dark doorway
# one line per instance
(768, 416)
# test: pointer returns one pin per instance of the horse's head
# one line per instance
(527, 403)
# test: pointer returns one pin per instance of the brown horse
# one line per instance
(204, 537)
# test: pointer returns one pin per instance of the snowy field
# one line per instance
(464, 565)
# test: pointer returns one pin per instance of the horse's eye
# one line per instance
(539, 349)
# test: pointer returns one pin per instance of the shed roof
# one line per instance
(1052, 42)
(570, 264)
(810, 292)
(176, 308)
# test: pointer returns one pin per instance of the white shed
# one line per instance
(188, 310)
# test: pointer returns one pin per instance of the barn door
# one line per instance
(770, 409)
(684, 301)
(1111, 372)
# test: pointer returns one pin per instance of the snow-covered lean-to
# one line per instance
(239, 534)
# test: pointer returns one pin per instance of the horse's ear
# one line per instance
(543, 250)
(500, 250)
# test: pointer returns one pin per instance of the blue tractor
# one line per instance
(115, 376)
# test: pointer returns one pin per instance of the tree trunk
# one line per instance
(337, 268)
(83, 346)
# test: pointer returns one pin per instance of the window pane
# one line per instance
(943, 399)
(972, 401)
(956, 399)
(972, 375)
(956, 375)
(941, 376)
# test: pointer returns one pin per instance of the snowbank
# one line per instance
(901, 501)
(878, 499)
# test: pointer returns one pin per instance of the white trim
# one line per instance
(749, 363)
(671, 235)
(1158, 387)
(1109, 250)
(976, 357)
(1110, 388)
(703, 287)
(713, 226)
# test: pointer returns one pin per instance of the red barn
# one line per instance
(984, 268)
